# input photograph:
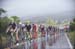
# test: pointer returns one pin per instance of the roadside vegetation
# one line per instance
(4, 21)
(71, 34)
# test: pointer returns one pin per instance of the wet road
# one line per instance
(60, 42)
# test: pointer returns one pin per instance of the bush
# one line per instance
(72, 25)
(3, 24)
(72, 37)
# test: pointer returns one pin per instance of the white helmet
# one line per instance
(20, 22)
(23, 25)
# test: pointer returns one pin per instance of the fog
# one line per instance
(35, 8)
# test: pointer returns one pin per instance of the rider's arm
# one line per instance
(17, 38)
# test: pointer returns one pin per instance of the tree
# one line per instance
(4, 21)
(72, 25)
(66, 22)
(2, 11)
(74, 20)
(51, 22)
(16, 19)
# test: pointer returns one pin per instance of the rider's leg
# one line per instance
(12, 35)
(17, 37)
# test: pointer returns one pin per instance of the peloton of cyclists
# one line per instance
(26, 30)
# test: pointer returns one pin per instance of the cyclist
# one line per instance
(49, 30)
(28, 29)
(43, 35)
(21, 27)
(42, 27)
(11, 30)
(35, 30)
(23, 31)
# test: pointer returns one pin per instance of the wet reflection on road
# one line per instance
(39, 43)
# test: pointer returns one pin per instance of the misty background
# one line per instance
(40, 9)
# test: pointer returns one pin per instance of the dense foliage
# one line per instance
(4, 20)
(72, 25)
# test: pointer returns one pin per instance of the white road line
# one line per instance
(68, 41)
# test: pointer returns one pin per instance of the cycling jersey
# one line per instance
(49, 27)
(28, 27)
(34, 28)
(13, 25)
(42, 28)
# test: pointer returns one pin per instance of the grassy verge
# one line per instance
(3, 39)
(71, 36)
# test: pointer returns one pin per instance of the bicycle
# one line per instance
(11, 39)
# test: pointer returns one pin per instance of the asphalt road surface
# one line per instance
(61, 42)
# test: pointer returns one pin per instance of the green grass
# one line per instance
(71, 36)
(3, 39)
